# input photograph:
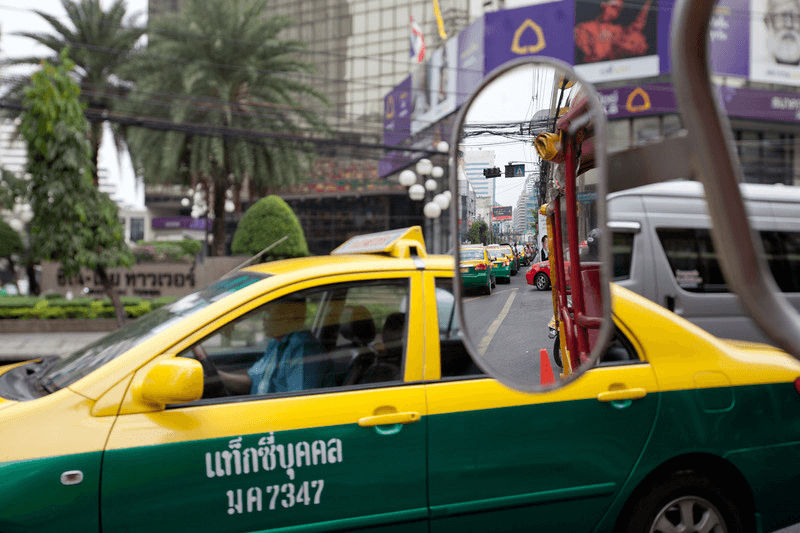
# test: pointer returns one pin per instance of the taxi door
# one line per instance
(348, 456)
(501, 460)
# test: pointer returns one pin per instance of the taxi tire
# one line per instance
(684, 485)
(487, 290)
(541, 281)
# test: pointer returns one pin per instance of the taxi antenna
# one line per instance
(267, 249)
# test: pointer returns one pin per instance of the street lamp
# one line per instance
(423, 184)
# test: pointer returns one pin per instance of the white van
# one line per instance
(663, 250)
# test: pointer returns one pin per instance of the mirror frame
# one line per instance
(598, 117)
(717, 166)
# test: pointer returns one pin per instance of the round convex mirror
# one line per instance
(528, 165)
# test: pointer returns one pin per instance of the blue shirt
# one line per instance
(282, 368)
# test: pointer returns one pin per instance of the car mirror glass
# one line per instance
(528, 164)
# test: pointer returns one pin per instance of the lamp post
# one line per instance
(422, 186)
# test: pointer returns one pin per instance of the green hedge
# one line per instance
(50, 307)
(166, 251)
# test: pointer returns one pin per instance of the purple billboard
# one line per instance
(397, 113)
(541, 29)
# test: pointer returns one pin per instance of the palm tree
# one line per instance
(100, 42)
(220, 63)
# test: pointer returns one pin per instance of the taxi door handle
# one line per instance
(622, 394)
(389, 419)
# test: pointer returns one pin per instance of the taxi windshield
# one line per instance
(496, 253)
(71, 368)
(472, 254)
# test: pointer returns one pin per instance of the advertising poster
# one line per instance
(397, 113)
(729, 37)
(434, 86)
(470, 60)
(540, 29)
(616, 39)
(502, 212)
(775, 41)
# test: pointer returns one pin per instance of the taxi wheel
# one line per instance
(686, 501)
(487, 290)
(541, 281)
(494, 283)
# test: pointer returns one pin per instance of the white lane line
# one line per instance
(484, 345)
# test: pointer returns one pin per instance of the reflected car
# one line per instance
(501, 264)
(513, 258)
(539, 275)
(476, 269)
(145, 429)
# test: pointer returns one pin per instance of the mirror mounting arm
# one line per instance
(716, 165)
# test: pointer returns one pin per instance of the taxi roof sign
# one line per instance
(395, 242)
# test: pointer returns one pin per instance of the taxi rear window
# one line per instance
(471, 254)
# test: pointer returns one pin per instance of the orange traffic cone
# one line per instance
(546, 373)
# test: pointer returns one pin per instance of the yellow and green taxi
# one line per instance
(513, 259)
(501, 264)
(140, 431)
(476, 268)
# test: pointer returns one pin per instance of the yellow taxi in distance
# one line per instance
(476, 268)
(334, 393)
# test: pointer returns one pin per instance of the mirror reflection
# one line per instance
(529, 217)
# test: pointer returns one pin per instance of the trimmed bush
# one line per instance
(29, 307)
(265, 222)
(167, 251)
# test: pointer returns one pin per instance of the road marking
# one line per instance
(484, 345)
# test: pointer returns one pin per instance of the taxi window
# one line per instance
(471, 254)
(335, 336)
(495, 253)
(455, 360)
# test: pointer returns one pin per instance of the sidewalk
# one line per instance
(21, 346)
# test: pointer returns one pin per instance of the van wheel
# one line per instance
(541, 281)
(685, 501)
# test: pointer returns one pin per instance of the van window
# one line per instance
(782, 249)
(692, 259)
(622, 248)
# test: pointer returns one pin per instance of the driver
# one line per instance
(289, 363)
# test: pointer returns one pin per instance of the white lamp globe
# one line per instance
(416, 192)
(432, 210)
(437, 172)
(185, 202)
(407, 178)
(424, 167)
(16, 224)
(431, 184)
(229, 206)
(448, 194)
(443, 146)
(442, 201)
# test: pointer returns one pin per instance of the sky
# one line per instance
(18, 15)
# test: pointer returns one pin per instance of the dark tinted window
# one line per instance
(455, 360)
(623, 253)
(782, 249)
(692, 259)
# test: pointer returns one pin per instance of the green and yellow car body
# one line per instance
(476, 268)
(501, 264)
(427, 454)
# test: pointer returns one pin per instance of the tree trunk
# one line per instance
(13, 268)
(33, 283)
(95, 137)
(218, 228)
(105, 281)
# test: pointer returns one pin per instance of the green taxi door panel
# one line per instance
(349, 453)
(264, 476)
(505, 461)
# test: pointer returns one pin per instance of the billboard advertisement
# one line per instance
(434, 86)
(397, 113)
(503, 212)
(616, 39)
(775, 41)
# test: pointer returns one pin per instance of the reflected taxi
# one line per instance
(476, 269)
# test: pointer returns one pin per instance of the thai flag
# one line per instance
(417, 42)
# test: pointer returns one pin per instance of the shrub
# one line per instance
(265, 222)
(166, 251)
(10, 242)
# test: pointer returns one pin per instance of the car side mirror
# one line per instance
(528, 162)
(171, 381)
